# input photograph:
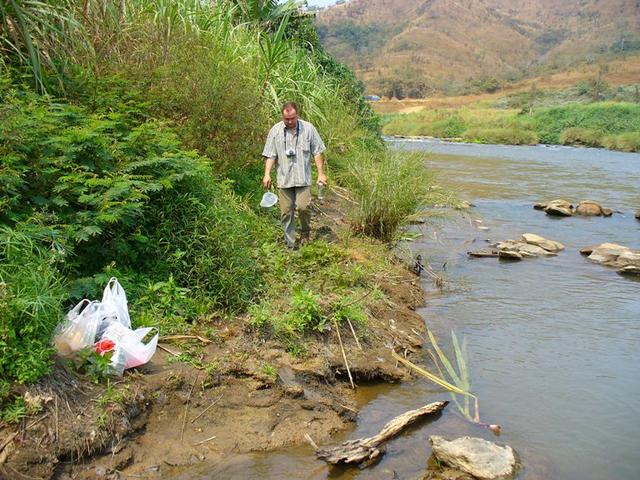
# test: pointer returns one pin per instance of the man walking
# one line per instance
(290, 145)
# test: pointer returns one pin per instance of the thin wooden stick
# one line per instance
(311, 442)
(57, 420)
(168, 351)
(206, 409)
(204, 441)
(344, 355)
(354, 334)
(206, 341)
(186, 407)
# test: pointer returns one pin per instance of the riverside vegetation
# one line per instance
(567, 116)
(130, 135)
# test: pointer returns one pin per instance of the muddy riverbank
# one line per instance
(240, 393)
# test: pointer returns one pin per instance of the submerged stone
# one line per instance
(478, 457)
(548, 245)
(484, 252)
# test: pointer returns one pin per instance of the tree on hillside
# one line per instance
(598, 84)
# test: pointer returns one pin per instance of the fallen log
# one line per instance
(366, 449)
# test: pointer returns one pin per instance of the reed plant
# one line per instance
(455, 380)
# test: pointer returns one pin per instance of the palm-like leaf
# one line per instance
(32, 31)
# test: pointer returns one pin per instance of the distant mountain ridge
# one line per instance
(419, 46)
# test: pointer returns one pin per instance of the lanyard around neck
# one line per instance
(297, 136)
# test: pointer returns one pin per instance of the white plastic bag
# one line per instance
(130, 350)
(79, 329)
(114, 303)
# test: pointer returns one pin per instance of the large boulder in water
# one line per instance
(480, 458)
(591, 208)
(638, 214)
(627, 261)
(607, 252)
(559, 208)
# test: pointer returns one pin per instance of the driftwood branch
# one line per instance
(366, 449)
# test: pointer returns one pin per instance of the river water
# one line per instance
(553, 343)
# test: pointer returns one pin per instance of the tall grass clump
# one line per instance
(38, 35)
(32, 291)
(387, 189)
(626, 142)
(587, 137)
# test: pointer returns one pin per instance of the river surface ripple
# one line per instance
(554, 343)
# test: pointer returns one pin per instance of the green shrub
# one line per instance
(32, 292)
(449, 127)
(509, 136)
(606, 117)
(626, 142)
(207, 238)
(307, 310)
(581, 136)
(116, 193)
(388, 190)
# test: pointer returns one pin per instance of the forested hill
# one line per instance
(419, 46)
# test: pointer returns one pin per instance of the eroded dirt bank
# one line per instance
(243, 394)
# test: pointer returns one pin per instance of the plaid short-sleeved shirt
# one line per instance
(293, 171)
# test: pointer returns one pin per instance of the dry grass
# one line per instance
(621, 72)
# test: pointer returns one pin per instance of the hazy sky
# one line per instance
(321, 3)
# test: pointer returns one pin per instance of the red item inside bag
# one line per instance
(104, 346)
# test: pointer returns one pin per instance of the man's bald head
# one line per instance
(290, 114)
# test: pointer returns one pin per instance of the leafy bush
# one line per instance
(451, 127)
(206, 237)
(511, 136)
(581, 136)
(31, 295)
(388, 190)
(109, 190)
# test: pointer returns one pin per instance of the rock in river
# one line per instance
(607, 252)
(530, 245)
(627, 261)
(548, 245)
(477, 457)
(591, 208)
(557, 208)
